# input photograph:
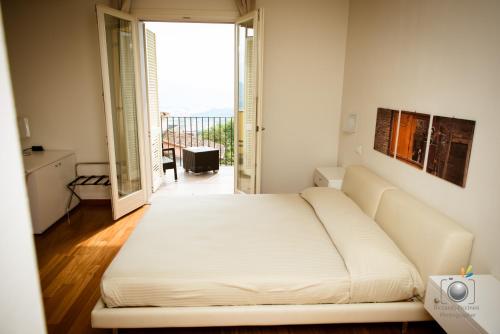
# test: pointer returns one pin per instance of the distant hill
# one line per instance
(216, 112)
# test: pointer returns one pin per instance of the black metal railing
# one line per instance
(216, 132)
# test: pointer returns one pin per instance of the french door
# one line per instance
(122, 95)
(248, 110)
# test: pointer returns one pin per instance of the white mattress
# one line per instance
(227, 250)
(256, 250)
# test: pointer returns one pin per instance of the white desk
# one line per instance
(478, 313)
(37, 160)
(47, 174)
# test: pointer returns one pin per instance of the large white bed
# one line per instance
(322, 256)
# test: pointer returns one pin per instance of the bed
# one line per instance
(323, 256)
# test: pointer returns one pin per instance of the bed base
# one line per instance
(258, 315)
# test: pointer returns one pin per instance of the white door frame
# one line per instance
(121, 206)
(185, 15)
(260, 94)
(258, 16)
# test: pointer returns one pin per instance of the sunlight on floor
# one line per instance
(197, 184)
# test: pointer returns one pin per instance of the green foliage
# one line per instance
(222, 134)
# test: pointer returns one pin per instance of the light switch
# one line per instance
(350, 123)
(359, 150)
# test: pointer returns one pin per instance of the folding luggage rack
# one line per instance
(85, 180)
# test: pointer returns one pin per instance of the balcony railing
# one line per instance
(216, 132)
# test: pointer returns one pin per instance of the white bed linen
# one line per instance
(257, 250)
(227, 250)
(378, 270)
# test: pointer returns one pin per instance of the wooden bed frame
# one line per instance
(434, 243)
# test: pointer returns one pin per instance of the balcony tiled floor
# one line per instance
(197, 184)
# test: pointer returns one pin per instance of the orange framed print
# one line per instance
(412, 138)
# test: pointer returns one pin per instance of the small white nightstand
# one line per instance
(476, 313)
(329, 177)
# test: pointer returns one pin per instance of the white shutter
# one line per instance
(132, 171)
(250, 114)
(153, 109)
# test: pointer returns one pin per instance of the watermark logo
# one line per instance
(460, 289)
(468, 273)
(458, 293)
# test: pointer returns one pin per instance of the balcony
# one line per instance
(216, 132)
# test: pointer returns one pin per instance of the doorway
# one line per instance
(189, 70)
(197, 75)
(132, 88)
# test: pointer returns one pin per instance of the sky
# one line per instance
(195, 66)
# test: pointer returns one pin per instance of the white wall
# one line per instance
(304, 50)
(20, 300)
(441, 58)
(55, 65)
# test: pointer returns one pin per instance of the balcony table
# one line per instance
(200, 159)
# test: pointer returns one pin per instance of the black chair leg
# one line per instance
(175, 164)
(170, 165)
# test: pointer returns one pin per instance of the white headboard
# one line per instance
(365, 188)
(433, 242)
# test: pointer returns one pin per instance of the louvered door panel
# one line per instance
(153, 109)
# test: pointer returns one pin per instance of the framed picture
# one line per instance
(412, 138)
(385, 131)
(450, 148)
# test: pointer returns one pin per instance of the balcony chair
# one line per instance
(169, 161)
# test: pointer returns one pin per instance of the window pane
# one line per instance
(123, 104)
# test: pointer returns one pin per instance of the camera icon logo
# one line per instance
(459, 290)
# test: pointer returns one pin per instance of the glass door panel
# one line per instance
(117, 36)
(123, 104)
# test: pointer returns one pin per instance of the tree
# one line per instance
(222, 134)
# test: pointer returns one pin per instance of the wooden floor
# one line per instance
(72, 257)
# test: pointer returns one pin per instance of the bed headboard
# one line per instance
(365, 188)
(433, 242)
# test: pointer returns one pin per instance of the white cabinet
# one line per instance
(329, 177)
(462, 305)
(47, 174)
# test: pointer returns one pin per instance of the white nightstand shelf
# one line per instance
(477, 313)
(329, 177)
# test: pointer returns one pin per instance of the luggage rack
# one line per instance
(85, 180)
